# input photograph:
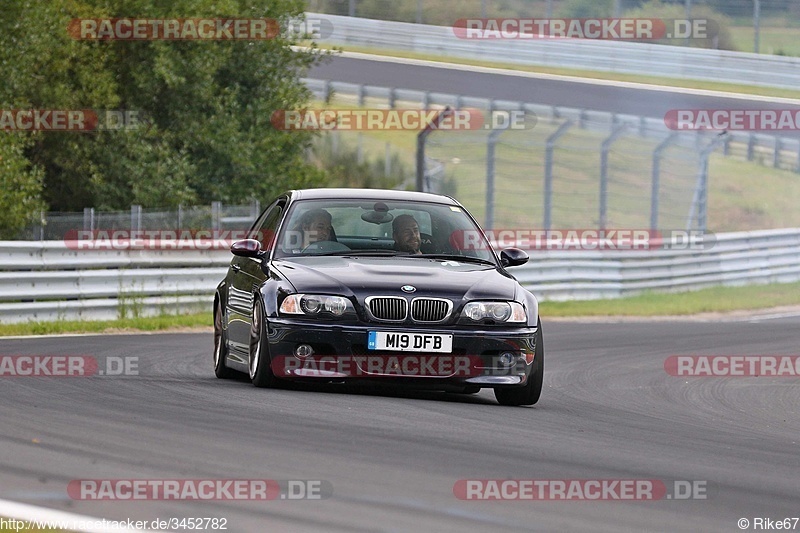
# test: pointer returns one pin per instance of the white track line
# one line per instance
(22, 511)
(571, 79)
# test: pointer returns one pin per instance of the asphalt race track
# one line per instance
(609, 411)
(505, 85)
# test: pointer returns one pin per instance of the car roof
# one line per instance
(370, 194)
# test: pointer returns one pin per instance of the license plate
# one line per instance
(410, 342)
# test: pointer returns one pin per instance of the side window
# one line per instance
(267, 224)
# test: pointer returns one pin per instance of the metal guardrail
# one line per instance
(46, 280)
(610, 56)
(49, 280)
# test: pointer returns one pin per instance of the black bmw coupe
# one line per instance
(378, 286)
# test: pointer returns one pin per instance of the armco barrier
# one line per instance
(46, 280)
(611, 56)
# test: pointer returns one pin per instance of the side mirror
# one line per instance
(511, 257)
(247, 248)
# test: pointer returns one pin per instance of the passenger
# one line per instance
(316, 226)
(405, 232)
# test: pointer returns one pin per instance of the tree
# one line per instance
(205, 105)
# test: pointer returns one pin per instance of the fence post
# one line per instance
(360, 95)
(136, 217)
(606, 147)
(392, 97)
(421, 139)
(326, 90)
(776, 155)
(751, 142)
(216, 215)
(180, 217)
(490, 161)
(387, 161)
(88, 219)
(697, 211)
(548, 171)
(656, 176)
(797, 168)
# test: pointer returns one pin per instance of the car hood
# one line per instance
(366, 276)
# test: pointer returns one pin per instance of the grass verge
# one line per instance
(156, 323)
(712, 300)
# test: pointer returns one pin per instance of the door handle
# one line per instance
(236, 268)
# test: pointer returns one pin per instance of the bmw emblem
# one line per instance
(408, 288)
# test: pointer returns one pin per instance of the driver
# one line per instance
(316, 226)
(405, 232)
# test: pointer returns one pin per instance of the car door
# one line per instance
(246, 276)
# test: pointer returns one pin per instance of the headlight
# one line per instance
(313, 304)
(510, 312)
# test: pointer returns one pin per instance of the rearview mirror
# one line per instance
(247, 248)
(511, 257)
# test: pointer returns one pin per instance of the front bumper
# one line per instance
(486, 357)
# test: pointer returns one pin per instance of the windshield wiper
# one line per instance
(454, 257)
(374, 253)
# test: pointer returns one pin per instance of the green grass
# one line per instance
(772, 40)
(157, 323)
(716, 299)
(593, 74)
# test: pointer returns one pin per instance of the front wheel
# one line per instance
(530, 393)
(221, 369)
(260, 364)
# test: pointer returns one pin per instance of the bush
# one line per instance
(20, 186)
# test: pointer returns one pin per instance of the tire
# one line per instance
(221, 370)
(259, 363)
(530, 393)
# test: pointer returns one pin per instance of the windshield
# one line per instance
(369, 227)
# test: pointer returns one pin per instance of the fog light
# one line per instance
(507, 358)
(304, 350)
